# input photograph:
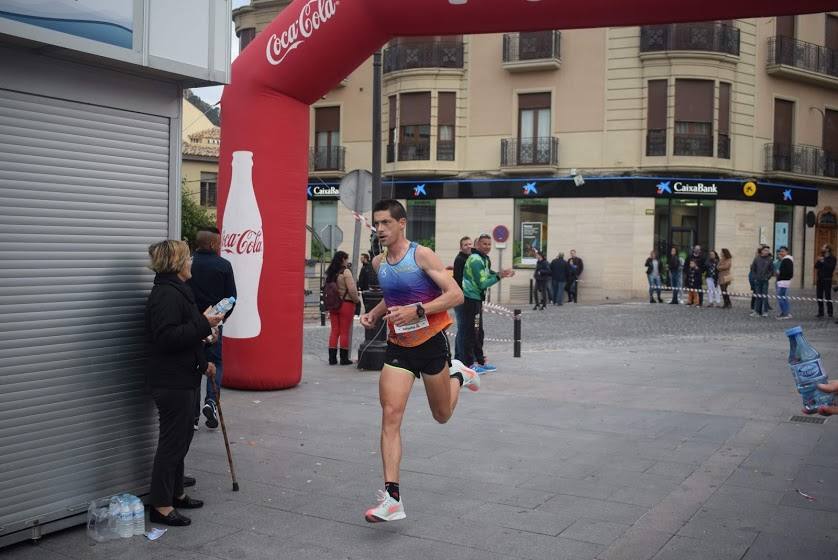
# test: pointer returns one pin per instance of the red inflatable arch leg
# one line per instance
(301, 55)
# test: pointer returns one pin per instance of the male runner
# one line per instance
(418, 292)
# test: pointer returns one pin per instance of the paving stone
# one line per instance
(597, 532)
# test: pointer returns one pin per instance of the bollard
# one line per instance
(516, 352)
(531, 291)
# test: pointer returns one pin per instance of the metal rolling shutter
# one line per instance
(83, 191)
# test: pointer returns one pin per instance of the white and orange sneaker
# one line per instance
(388, 509)
(471, 380)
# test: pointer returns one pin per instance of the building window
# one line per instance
(684, 223)
(208, 189)
(830, 142)
(656, 118)
(783, 126)
(327, 150)
(783, 226)
(723, 148)
(535, 144)
(421, 222)
(323, 213)
(446, 121)
(530, 231)
(415, 126)
(694, 118)
(246, 35)
(391, 129)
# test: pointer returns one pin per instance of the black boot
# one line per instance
(333, 356)
(344, 357)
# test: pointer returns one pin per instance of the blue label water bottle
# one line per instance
(223, 306)
(805, 364)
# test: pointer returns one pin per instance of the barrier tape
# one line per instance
(743, 295)
(454, 334)
(497, 309)
(363, 219)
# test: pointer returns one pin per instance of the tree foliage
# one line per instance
(192, 217)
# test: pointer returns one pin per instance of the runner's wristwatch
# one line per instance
(420, 311)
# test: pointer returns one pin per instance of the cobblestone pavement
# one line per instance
(625, 432)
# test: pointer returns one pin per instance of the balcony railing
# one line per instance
(723, 146)
(711, 37)
(529, 151)
(433, 54)
(656, 142)
(800, 159)
(799, 54)
(445, 150)
(521, 47)
(327, 158)
(693, 144)
(414, 151)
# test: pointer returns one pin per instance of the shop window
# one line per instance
(421, 222)
(208, 189)
(783, 226)
(530, 231)
(684, 223)
(323, 213)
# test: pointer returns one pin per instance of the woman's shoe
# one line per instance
(344, 357)
(333, 356)
(187, 503)
(174, 518)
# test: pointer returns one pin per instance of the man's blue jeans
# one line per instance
(675, 280)
(782, 299)
(459, 340)
(761, 292)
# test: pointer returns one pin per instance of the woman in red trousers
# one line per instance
(342, 318)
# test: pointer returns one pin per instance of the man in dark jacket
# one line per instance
(701, 263)
(212, 280)
(825, 267)
(459, 264)
(762, 270)
(367, 278)
(558, 275)
(576, 268)
(784, 276)
(675, 273)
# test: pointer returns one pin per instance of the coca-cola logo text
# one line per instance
(310, 19)
(247, 242)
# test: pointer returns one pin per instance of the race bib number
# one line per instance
(420, 323)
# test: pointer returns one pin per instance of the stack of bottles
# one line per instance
(117, 517)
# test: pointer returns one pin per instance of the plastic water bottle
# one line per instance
(125, 522)
(223, 306)
(138, 515)
(805, 364)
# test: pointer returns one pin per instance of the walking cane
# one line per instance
(224, 431)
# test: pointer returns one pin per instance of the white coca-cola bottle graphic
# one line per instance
(242, 245)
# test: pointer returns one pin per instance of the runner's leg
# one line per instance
(394, 387)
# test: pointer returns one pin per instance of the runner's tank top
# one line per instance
(405, 283)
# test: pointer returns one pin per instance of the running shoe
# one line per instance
(488, 368)
(388, 509)
(211, 413)
(477, 368)
(471, 379)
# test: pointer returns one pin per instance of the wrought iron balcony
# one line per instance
(516, 152)
(693, 145)
(327, 158)
(800, 159)
(432, 54)
(804, 56)
(711, 37)
(445, 150)
(656, 142)
(536, 51)
(414, 151)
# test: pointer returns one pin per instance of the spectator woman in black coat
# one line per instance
(176, 332)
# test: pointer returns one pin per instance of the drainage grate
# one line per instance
(807, 419)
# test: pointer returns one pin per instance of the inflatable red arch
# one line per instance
(301, 55)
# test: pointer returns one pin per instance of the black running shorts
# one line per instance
(429, 358)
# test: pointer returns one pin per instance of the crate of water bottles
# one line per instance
(117, 517)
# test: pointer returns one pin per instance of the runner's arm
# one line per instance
(452, 295)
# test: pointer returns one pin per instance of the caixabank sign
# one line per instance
(601, 187)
